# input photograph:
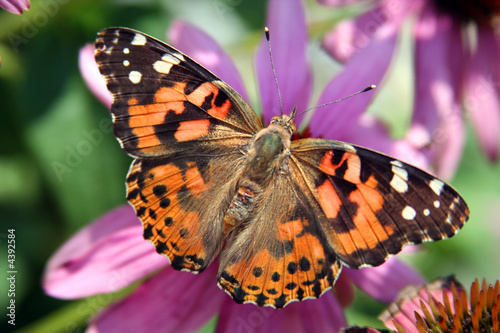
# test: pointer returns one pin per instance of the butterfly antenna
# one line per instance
(338, 100)
(268, 38)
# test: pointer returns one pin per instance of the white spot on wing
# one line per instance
(139, 40)
(162, 66)
(126, 50)
(397, 163)
(399, 184)
(400, 171)
(400, 178)
(171, 58)
(436, 185)
(126, 63)
(408, 213)
(437, 203)
(180, 56)
(135, 76)
(427, 212)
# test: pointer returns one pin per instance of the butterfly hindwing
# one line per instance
(279, 255)
(163, 101)
(373, 204)
(181, 203)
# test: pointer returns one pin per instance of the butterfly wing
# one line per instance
(187, 129)
(279, 256)
(373, 205)
(335, 204)
(163, 101)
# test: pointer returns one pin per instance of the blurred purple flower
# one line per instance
(456, 50)
(110, 253)
(15, 6)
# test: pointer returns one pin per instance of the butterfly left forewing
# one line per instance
(163, 101)
(372, 204)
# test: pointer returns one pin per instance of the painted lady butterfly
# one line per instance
(282, 215)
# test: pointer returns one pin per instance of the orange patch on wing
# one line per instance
(198, 96)
(329, 199)
(146, 137)
(371, 196)
(138, 110)
(353, 170)
(366, 223)
(306, 248)
(326, 164)
(171, 94)
(195, 182)
(180, 235)
(369, 232)
(222, 111)
(290, 230)
(371, 182)
(133, 101)
(192, 129)
(351, 241)
(152, 119)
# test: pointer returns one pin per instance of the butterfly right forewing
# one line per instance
(372, 204)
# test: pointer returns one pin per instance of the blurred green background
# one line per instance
(46, 110)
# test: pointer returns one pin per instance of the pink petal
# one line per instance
(481, 95)
(384, 282)
(202, 48)
(409, 301)
(107, 255)
(15, 6)
(352, 35)
(322, 315)
(171, 301)
(344, 290)
(288, 31)
(366, 68)
(438, 67)
(370, 133)
(91, 75)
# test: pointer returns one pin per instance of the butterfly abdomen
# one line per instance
(265, 158)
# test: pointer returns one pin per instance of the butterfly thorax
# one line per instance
(266, 158)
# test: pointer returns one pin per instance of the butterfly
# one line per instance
(281, 215)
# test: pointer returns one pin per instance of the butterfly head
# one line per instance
(286, 121)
